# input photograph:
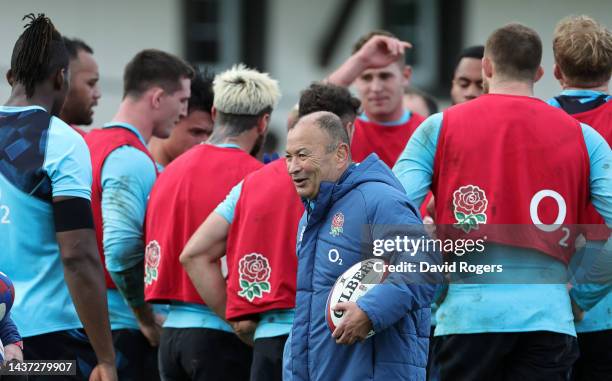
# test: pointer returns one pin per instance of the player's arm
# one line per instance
(67, 163)
(598, 280)
(379, 51)
(127, 178)
(414, 168)
(11, 339)
(200, 258)
(83, 272)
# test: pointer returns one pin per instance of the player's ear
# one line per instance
(487, 67)
(539, 74)
(60, 79)
(9, 77)
(156, 95)
(406, 75)
(343, 154)
(558, 74)
(262, 123)
(350, 129)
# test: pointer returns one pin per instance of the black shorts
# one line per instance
(433, 368)
(595, 361)
(533, 356)
(62, 345)
(193, 354)
(268, 359)
(136, 360)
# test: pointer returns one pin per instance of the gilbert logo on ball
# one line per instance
(352, 285)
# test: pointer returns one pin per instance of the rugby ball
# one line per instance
(7, 295)
(355, 282)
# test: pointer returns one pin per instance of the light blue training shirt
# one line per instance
(127, 178)
(41, 157)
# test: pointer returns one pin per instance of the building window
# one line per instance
(434, 28)
(220, 33)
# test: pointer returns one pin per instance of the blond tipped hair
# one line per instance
(583, 51)
(244, 91)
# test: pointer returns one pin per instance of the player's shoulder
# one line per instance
(59, 127)
(429, 128)
(592, 138)
(62, 135)
(129, 160)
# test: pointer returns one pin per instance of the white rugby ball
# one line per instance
(355, 282)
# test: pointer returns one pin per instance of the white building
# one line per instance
(287, 38)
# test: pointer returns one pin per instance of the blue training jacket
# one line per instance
(368, 196)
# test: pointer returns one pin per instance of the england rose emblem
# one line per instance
(254, 272)
(152, 257)
(337, 224)
(470, 205)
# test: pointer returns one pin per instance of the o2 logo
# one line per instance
(533, 211)
(334, 256)
(4, 212)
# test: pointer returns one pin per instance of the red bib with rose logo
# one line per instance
(387, 141)
(505, 159)
(261, 258)
(600, 119)
(187, 191)
(101, 143)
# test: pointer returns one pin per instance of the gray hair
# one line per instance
(332, 125)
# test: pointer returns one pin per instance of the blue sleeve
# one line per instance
(67, 161)
(127, 178)
(587, 295)
(227, 207)
(8, 331)
(401, 292)
(600, 180)
(414, 168)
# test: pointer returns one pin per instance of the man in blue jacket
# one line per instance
(341, 199)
